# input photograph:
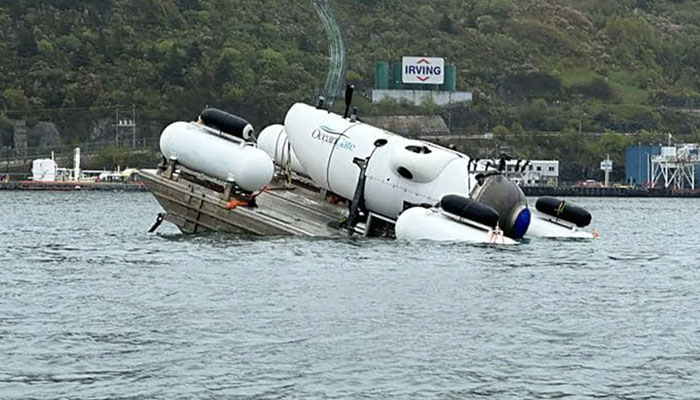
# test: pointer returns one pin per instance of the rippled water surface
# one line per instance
(93, 307)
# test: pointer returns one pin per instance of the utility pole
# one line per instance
(125, 123)
(607, 166)
(133, 126)
(7, 162)
(116, 128)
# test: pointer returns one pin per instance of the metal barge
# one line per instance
(195, 203)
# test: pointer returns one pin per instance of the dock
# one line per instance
(573, 191)
(197, 203)
(73, 185)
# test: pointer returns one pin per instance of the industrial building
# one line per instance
(543, 173)
(391, 82)
(663, 167)
(638, 163)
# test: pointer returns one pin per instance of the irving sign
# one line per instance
(426, 70)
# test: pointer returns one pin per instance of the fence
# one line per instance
(11, 156)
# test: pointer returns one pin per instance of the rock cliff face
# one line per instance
(102, 130)
(6, 136)
(43, 134)
(19, 134)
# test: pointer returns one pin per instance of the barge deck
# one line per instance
(196, 203)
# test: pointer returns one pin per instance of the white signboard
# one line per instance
(606, 165)
(425, 70)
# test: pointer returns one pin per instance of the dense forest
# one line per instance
(569, 66)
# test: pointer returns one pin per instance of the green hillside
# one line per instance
(534, 65)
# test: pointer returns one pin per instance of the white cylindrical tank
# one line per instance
(44, 170)
(192, 146)
(76, 164)
(420, 223)
(273, 140)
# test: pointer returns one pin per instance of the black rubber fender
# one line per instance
(467, 208)
(564, 210)
(225, 122)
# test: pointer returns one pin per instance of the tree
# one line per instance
(16, 99)
(500, 132)
(26, 44)
(45, 47)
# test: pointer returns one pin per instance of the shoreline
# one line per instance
(73, 186)
(570, 191)
(530, 191)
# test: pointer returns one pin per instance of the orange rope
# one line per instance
(263, 190)
(242, 203)
(235, 203)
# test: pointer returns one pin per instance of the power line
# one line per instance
(111, 107)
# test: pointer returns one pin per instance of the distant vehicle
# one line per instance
(623, 186)
(589, 183)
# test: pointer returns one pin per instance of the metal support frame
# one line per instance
(675, 170)
(673, 175)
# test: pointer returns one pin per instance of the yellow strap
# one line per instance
(560, 209)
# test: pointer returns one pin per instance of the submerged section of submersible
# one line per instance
(507, 199)
(455, 219)
(556, 218)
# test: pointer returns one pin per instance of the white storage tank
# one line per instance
(44, 170)
(194, 146)
(273, 140)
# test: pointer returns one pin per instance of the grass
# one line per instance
(629, 88)
(578, 76)
(624, 81)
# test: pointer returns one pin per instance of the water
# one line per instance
(92, 307)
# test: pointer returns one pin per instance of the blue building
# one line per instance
(638, 164)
